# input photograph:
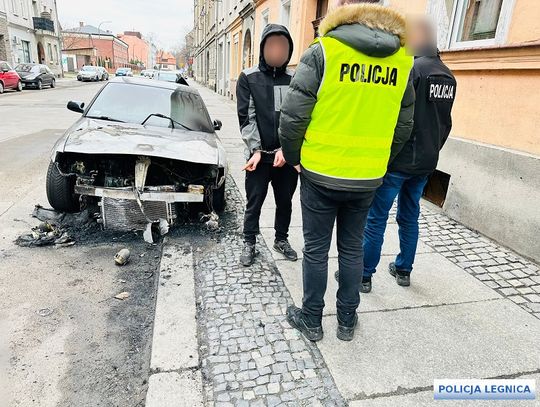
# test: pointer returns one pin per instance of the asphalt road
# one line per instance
(64, 339)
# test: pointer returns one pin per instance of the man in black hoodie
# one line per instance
(408, 172)
(259, 93)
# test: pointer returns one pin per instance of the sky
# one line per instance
(167, 21)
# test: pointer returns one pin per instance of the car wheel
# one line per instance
(53, 83)
(218, 199)
(40, 85)
(1, 88)
(61, 190)
(19, 86)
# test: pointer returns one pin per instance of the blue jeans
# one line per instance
(408, 189)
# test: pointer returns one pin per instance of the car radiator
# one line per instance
(126, 214)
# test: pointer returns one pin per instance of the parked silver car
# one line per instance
(142, 148)
(104, 74)
(89, 73)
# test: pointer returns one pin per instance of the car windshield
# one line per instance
(27, 68)
(183, 107)
(89, 68)
(122, 70)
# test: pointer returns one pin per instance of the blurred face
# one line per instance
(420, 36)
(276, 50)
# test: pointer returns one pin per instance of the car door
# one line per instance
(50, 74)
(43, 75)
(8, 76)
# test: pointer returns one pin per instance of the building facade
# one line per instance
(139, 49)
(166, 60)
(30, 32)
(88, 45)
(489, 172)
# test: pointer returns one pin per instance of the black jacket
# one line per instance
(435, 88)
(259, 93)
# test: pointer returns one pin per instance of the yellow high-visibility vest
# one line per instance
(352, 125)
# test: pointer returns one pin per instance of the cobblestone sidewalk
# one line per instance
(509, 274)
(250, 355)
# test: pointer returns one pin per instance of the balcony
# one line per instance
(43, 24)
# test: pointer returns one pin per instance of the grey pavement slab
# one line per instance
(174, 389)
(296, 238)
(408, 349)
(425, 399)
(435, 281)
(174, 344)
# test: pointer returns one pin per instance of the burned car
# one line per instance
(141, 149)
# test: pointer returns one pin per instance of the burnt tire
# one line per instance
(61, 190)
(218, 199)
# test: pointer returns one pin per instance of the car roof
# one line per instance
(153, 84)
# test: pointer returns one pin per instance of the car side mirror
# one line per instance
(76, 106)
(217, 124)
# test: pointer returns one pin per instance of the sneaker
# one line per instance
(345, 332)
(365, 286)
(248, 254)
(284, 247)
(297, 320)
(403, 278)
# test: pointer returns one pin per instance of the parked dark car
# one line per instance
(143, 162)
(124, 72)
(9, 78)
(36, 75)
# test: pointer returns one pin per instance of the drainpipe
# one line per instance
(59, 40)
(216, 40)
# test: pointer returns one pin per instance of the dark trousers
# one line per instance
(284, 181)
(321, 208)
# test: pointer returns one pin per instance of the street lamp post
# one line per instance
(99, 33)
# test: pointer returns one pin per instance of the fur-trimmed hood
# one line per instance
(370, 15)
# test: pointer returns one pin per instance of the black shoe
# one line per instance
(365, 286)
(403, 278)
(248, 254)
(284, 247)
(345, 332)
(296, 319)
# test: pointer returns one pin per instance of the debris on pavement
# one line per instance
(211, 221)
(45, 234)
(122, 296)
(122, 257)
(45, 312)
(154, 230)
(48, 215)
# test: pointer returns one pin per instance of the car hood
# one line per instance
(92, 136)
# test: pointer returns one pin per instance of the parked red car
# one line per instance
(9, 79)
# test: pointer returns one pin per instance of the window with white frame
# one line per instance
(477, 23)
(285, 12)
(265, 17)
